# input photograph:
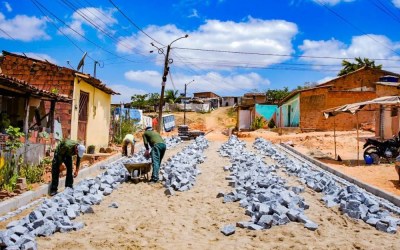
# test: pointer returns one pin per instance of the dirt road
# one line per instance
(146, 218)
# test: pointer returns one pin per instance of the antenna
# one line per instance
(81, 62)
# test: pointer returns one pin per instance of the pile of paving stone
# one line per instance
(268, 200)
(353, 201)
(58, 213)
(180, 171)
(172, 142)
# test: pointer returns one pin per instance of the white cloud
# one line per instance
(369, 46)
(126, 93)
(252, 35)
(8, 6)
(23, 28)
(332, 2)
(396, 3)
(100, 19)
(211, 81)
(194, 14)
(40, 56)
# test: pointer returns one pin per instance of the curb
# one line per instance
(27, 197)
(373, 190)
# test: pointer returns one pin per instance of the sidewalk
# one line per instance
(29, 196)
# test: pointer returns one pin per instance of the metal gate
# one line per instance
(83, 116)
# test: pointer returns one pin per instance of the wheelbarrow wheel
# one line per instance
(135, 176)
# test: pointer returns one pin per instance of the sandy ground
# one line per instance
(147, 219)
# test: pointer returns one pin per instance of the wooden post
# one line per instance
(334, 134)
(26, 128)
(51, 116)
(358, 144)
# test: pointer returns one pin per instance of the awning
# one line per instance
(355, 107)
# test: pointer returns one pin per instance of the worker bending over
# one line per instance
(128, 140)
(63, 154)
(155, 141)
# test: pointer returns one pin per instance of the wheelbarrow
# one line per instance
(138, 171)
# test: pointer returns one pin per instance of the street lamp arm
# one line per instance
(185, 36)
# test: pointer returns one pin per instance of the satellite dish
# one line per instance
(81, 62)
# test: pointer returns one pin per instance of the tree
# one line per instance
(153, 100)
(275, 95)
(349, 67)
(171, 96)
(306, 85)
(139, 101)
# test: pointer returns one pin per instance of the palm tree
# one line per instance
(171, 96)
(349, 67)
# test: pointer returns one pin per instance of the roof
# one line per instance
(394, 84)
(14, 85)
(89, 79)
(207, 92)
(255, 94)
(293, 93)
(360, 69)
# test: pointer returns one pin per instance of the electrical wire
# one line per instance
(134, 24)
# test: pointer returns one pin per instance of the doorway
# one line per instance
(83, 116)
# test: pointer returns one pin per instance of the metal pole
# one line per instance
(184, 108)
(164, 80)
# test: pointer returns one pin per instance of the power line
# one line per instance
(134, 24)
(355, 27)
(381, 6)
(76, 32)
(279, 55)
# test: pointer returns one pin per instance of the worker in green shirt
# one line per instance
(128, 140)
(63, 154)
(155, 141)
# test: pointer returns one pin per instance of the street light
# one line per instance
(184, 103)
(164, 77)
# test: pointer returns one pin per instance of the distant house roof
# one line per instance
(11, 84)
(255, 94)
(293, 93)
(394, 84)
(89, 79)
(203, 93)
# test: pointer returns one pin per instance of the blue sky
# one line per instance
(234, 46)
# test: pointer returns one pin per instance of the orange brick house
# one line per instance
(303, 108)
(87, 118)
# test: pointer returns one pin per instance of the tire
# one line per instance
(135, 176)
(373, 152)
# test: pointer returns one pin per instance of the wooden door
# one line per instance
(83, 116)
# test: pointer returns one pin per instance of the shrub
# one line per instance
(258, 123)
(32, 173)
(271, 124)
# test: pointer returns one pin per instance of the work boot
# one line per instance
(52, 193)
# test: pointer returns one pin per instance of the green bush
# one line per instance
(6, 174)
(32, 173)
(258, 123)
(271, 124)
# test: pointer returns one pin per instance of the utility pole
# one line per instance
(184, 103)
(164, 78)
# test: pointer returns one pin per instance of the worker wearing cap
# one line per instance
(128, 139)
(63, 154)
(155, 141)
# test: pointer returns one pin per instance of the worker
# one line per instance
(63, 154)
(128, 140)
(155, 141)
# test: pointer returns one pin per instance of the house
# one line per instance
(303, 108)
(254, 105)
(23, 105)
(87, 118)
(387, 117)
(208, 97)
(228, 101)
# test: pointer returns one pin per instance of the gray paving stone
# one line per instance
(228, 230)
(311, 225)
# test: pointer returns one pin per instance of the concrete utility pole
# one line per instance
(164, 78)
(184, 103)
